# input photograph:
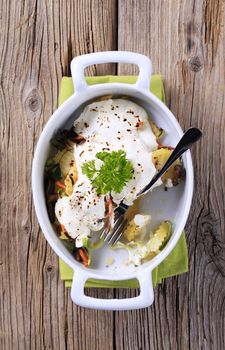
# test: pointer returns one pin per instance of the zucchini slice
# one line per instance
(158, 132)
(160, 237)
(140, 252)
(71, 178)
(64, 159)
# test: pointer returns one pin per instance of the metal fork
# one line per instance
(111, 236)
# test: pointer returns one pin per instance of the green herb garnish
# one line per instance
(114, 173)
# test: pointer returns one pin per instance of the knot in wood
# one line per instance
(26, 227)
(49, 269)
(195, 64)
(33, 101)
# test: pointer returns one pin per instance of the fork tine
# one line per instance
(117, 232)
(104, 233)
(106, 230)
(114, 239)
(116, 224)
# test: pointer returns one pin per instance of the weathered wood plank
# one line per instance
(38, 40)
(185, 40)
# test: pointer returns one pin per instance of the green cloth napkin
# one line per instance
(177, 261)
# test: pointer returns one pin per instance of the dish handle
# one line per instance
(144, 299)
(79, 63)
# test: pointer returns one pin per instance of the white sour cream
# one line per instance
(111, 125)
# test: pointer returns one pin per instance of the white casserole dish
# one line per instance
(173, 205)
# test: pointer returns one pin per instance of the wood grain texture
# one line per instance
(38, 40)
(185, 40)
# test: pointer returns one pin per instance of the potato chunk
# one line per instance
(175, 173)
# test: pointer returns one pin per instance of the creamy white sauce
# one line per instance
(107, 125)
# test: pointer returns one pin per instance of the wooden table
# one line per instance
(185, 40)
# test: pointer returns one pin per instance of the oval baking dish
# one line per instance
(172, 205)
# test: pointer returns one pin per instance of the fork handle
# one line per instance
(191, 136)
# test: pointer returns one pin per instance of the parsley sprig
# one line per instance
(114, 173)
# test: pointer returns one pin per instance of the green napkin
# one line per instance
(177, 261)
